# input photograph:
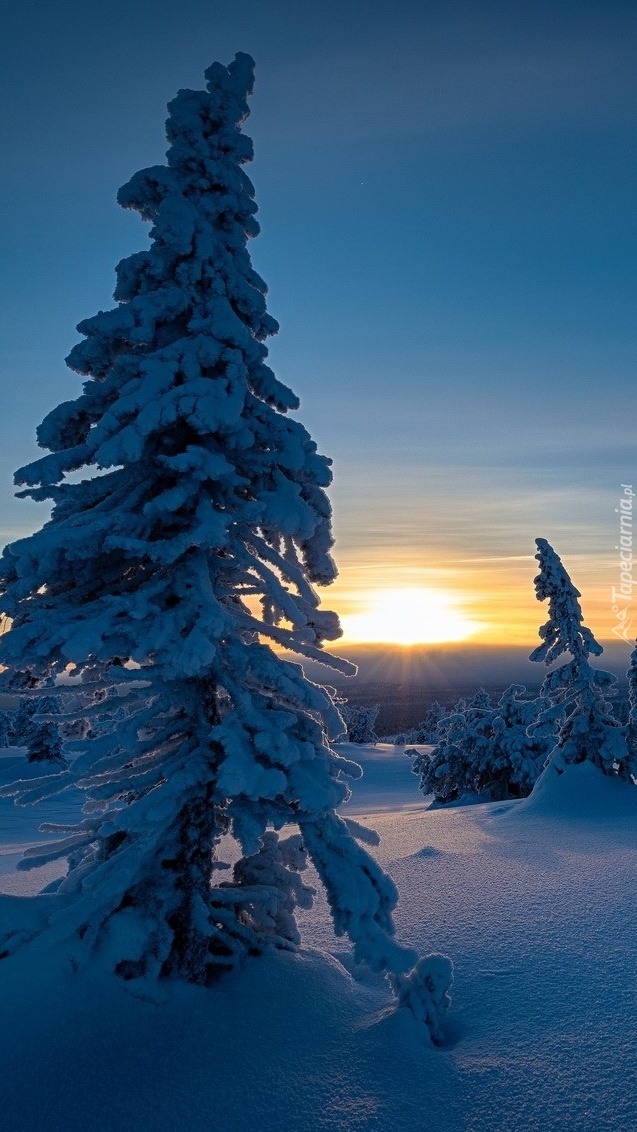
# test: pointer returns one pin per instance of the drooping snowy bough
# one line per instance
(576, 693)
(159, 585)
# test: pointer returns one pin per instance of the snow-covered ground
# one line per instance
(535, 903)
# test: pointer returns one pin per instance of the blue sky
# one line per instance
(446, 195)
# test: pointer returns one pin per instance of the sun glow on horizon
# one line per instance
(408, 616)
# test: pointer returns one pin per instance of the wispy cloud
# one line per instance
(457, 66)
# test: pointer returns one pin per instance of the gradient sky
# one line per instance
(447, 199)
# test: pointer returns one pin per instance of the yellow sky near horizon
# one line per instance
(482, 600)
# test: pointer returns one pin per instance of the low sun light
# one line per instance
(408, 617)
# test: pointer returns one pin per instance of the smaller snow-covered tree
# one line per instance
(449, 771)
(631, 725)
(589, 730)
(517, 754)
(6, 729)
(486, 751)
(481, 699)
(431, 722)
(21, 724)
(427, 730)
(46, 744)
(33, 727)
(359, 722)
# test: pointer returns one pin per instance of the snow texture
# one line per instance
(531, 897)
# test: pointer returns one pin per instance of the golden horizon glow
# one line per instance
(494, 594)
(408, 616)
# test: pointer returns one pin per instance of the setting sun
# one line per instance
(408, 617)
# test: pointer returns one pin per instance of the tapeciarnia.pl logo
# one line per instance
(622, 596)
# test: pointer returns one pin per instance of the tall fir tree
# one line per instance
(575, 690)
(161, 582)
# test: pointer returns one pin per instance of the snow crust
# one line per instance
(581, 793)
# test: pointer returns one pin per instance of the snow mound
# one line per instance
(289, 1043)
(579, 793)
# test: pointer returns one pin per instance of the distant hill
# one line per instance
(405, 681)
(451, 666)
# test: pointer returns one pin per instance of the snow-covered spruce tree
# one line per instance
(426, 731)
(360, 721)
(34, 726)
(163, 576)
(445, 771)
(6, 730)
(575, 691)
(486, 752)
(451, 771)
(480, 699)
(517, 753)
(631, 725)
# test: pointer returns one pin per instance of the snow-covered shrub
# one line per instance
(576, 691)
(425, 991)
(631, 725)
(518, 752)
(21, 722)
(427, 730)
(6, 728)
(447, 771)
(486, 751)
(360, 722)
(481, 699)
(35, 726)
(193, 539)
(45, 744)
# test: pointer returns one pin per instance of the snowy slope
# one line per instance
(534, 902)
